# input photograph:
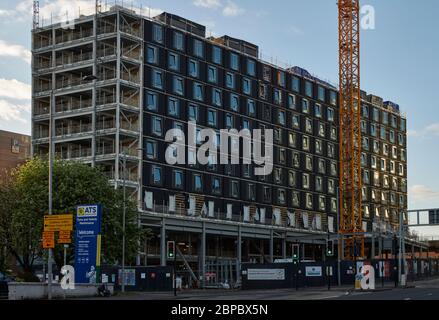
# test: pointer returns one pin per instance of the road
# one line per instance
(425, 290)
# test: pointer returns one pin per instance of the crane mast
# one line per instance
(351, 219)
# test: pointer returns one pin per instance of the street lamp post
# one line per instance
(124, 162)
(51, 154)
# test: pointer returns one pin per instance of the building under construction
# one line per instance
(117, 81)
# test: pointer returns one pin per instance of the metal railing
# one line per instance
(74, 58)
(41, 87)
(104, 150)
(74, 154)
(106, 124)
(43, 64)
(39, 111)
(42, 43)
(130, 30)
(73, 129)
(72, 36)
(73, 105)
(130, 77)
(129, 126)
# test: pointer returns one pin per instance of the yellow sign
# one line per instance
(64, 240)
(48, 240)
(64, 235)
(59, 222)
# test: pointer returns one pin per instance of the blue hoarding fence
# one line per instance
(88, 243)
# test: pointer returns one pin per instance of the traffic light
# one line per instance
(171, 249)
(330, 248)
(296, 255)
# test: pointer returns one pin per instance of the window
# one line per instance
(263, 91)
(393, 122)
(178, 85)
(296, 199)
(251, 108)
(178, 41)
(217, 97)
(266, 73)
(178, 179)
(216, 55)
(385, 118)
(333, 133)
(333, 169)
(212, 75)
(305, 106)
(296, 122)
(234, 102)
(322, 166)
(198, 48)
(151, 101)
(365, 143)
(376, 115)
(318, 110)
(308, 162)
(251, 67)
(296, 160)
(392, 136)
(281, 78)
(157, 126)
(281, 196)
(331, 186)
(193, 68)
(152, 55)
(308, 88)
(230, 80)
(211, 118)
(331, 114)
(322, 203)
(319, 146)
(198, 91)
(173, 61)
(333, 98)
(295, 84)
(198, 183)
(281, 117)
(234, 61)
(246, 86)
(321, 94)
(373, 130)
(173, 107)
(151, 149)
(292, 179)
(305, 181)
(305, 143)
(383, 133)
(267, 194)
(216, 185)
(402, 124)
(157, 79)
(156, 175)
(322, 130)
(309, 201)
(365, 110)
(229, 121)
(234, 189)
(245, 124)
(277, 97)
(157, 33)
(251, 192)
(291, 101)
(308, 125)
(292, 140)
(282, 156)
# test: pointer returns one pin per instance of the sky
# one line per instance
(398, 57)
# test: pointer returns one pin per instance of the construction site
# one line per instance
(107, 87)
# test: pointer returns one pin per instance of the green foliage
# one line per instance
(24, 202)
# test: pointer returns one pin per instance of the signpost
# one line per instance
(87, 243)
(48, 240)
(59, 222)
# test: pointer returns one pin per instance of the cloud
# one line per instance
(14, 50)
(13, 89)
(211, 4)
(296, 31)
(60, 10)
(10, 111)
(422, 193)
(428, 131)
(232, 10)
(229, 9)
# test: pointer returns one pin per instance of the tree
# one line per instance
(24, 202)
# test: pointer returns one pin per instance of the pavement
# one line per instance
(422, 290)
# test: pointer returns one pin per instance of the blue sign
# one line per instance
(87, 243)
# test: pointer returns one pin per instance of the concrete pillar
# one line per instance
(239, 255)
(271, 247)
(372, 255)
(163, 243)
(284, 247)
(203, 256)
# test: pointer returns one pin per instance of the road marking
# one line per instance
(430, 294)
(407, 299)
(324, 298)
